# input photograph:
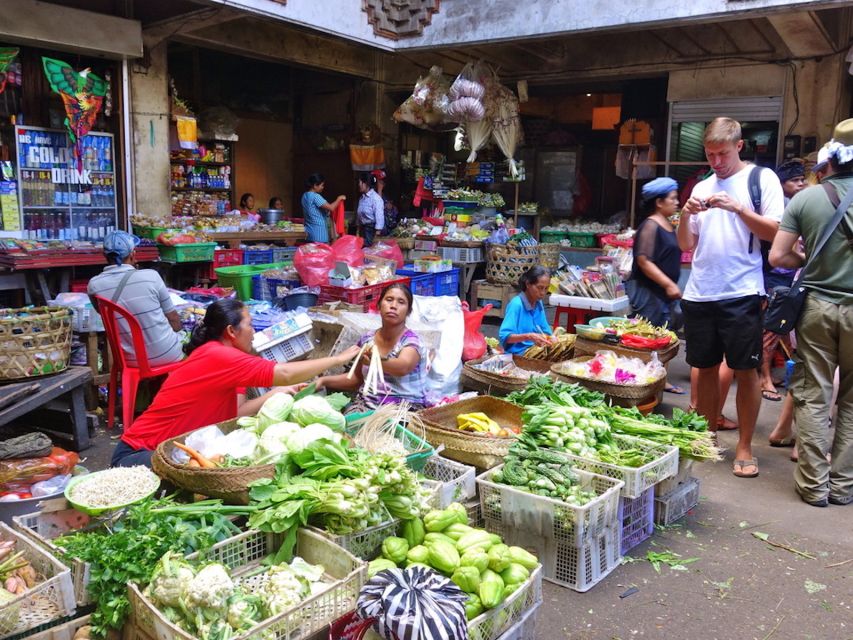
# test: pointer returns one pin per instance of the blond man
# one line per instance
(722, 299)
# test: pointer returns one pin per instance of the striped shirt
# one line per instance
(410, 387)
(146, 297)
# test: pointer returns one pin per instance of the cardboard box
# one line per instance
(498, 295)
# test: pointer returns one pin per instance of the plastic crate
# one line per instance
(462, 254)
(546, 237)
(494, 623)
(581, 239)
(447, 283)
(525, 628)
(242, 554)
(65, 630)
(283, 254)
(363, 296)
(475, 514)
(674, 505)
(240, 277)
(637, 519)
(457, 481)
(257, 256)
(42, 527)
(193, 252)
(51, 599)
(517, 510)
(636, 479)
(225, 258)
(264, 288)
(366, 544)
(420, 450)
(85, 319)
(422, 284)
(288, 349)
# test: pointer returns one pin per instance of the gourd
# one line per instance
(29, 445)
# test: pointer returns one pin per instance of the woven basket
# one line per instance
(549, 256)
(505, 265)
(34, 342)
(584, 347)
(231, 484)
(462, 244)
(624, 395)
(475, 449)
(405, 243)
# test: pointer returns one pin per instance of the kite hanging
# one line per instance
(7, 54)
(82, 94)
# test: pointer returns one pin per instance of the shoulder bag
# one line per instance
(786, 303)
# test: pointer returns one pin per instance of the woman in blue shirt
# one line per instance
(313, 207)
(524, 323)
(371, 209)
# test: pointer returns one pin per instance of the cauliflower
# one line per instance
(209, 589)
(283, 589)
(169, 580)
(245, 611)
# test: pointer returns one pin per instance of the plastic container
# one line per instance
(257, 256)
(50, 599)
(193, 252)
(475, 513)
(552, 236)
(637, 519)
(283, 254)
(512, 509)
(465, 255)
(295, 300)
(673, 506)
(240, 277)
(245, 552)
(95, 511)
(366, 544)
(457, 481)
(225, 258)
(287, 349)
(363, 296)
(525, 628)
(422, 284)
(494, 623)
(264, 288)
(420, 450)
(581, 239)
(447, 283)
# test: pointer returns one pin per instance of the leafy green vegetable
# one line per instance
(275, 409)
(311, 409)
(338, 401)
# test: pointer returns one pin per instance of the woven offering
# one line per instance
(625, 395)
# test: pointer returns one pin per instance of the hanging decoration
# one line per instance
(506, 125)
(108, 99)
(82, 94)
(477, 132)
(7, 54)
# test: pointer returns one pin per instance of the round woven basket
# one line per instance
(505, 265)
(405, 243)
(231, 484)
(475, 449)
(624, 395)
(34, 342)
(494, 384)
(585, 346)
(549, 256)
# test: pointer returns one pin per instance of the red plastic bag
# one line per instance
(474, 342)
(313, 261)
(17, 471)
(387, 249)
(349, 249)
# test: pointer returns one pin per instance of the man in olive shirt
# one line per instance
(826, 323)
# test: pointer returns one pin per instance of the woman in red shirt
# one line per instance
(207, 387)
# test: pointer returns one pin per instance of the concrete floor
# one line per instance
(740, 587)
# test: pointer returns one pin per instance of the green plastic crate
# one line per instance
(423, 451)
(194, 252)
(149, 232)
(581, 239)
(552, 236)
(240, 276)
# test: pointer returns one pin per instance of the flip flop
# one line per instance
(737, 469)
(784, 442)
(767, 394)
(724, 424)
(676, 390)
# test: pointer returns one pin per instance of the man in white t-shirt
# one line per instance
(723, 297)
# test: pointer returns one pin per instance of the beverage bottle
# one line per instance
(102, 226)
(82, 231)
(108, 154)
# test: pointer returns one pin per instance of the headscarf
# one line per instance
(790, 170)
(659, 188)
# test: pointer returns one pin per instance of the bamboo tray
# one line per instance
(624, 395)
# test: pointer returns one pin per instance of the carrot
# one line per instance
(195, 455)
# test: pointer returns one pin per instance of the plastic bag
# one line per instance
(349, 249)
(474, 342)
(387, 249)
(50, 487)
(32, 470)
(427, 106)
(313, 261)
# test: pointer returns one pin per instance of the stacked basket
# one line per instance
(506, 264)
(34, 342)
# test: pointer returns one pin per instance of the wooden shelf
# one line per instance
(199, 163)
(203, 189)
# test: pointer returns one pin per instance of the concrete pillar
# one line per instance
(823, 92)
(150, 117)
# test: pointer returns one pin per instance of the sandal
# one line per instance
(784, 442)
(724, 424)
(740, 464)
(674, 389)
(767, 394)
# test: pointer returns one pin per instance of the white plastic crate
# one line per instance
(494, 623)
(51, 599)
(475, 514)
(366, 544)
(64, 631)
(43, 526)
(637, 519)
(457, 481)
(516, 510)
(462, 254)
(294, 325)
(525, 628)
(674, 505)
(84, 319)
(243, 553)
(636, 479)
(288, 349)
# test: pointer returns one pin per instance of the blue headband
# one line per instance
(659, 188)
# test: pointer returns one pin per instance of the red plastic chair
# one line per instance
(130, 375)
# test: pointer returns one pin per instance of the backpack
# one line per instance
(754, 184)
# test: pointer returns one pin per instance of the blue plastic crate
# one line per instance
(257, 256)
(422, 284)
(283, 254)
(264, 288)
(447, 283)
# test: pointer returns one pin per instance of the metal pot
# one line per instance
(271, 216)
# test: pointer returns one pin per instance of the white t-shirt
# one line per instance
(723, 266)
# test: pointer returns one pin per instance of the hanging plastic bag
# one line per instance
(387, 249)
(313, 261)
(349, 249)
(427, 106)
(474, 342)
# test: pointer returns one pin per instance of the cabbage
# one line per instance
(273, 441)
(315, 409)
(275, 409)
(296, 442)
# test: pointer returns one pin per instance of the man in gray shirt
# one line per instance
(144, 294)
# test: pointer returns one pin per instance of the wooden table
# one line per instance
(235, 238)
(61, 392)
(466, 277)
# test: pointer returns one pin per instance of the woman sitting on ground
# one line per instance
(404, 358)
(209, 386)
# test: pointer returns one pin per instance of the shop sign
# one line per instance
(50, 151)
